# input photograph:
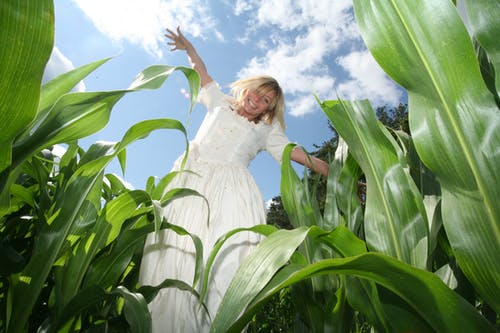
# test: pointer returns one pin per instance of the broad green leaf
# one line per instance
(26, 43)
(332, 215)
(106, 229)
(454, 120)
(255, 272)
(136, 310)
(395, 219)
(483, 18)
(76, 115)
(62, 84)
(54, 89)
(346, 194)
(106, 270)
(154, 76)
(302, 209)
(263, 229)
(27, 285)
(440, 307)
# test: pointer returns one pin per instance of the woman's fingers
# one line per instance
(178, 41)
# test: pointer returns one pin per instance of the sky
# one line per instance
(310, 47)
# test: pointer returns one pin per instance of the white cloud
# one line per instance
(303, 64)
(367, 80)
(299, 64)
(58, 64)
(143, 22)
(324, 29)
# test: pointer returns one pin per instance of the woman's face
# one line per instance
(255, 104)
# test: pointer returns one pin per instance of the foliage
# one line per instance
(71, 235)
(421, 255)
(395, 118)
(277, 216)
(277, 315)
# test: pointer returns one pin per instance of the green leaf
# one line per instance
(255, 272)
(440, 307)
(105, 230)
(27, 39)
(483, 18)
(395, 219)
(76, 115)
(27, 285)
(454, 120)
(302, 209)
(62, 84)
(135, 310)
(154, 76)
(346, 194)
(263, 229)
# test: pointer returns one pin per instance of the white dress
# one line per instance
(219, 155)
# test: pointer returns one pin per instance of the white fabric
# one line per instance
(219, 155)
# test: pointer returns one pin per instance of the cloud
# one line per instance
(300, 63)
(58, 64)
(366, 80)
(143, 22)
(303, 44)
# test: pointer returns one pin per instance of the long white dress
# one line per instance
(220, 154)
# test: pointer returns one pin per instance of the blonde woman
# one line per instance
(234, 130)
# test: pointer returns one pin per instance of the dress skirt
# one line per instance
(235, 201)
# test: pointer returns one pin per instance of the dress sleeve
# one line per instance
(210, 95)
(276, 141)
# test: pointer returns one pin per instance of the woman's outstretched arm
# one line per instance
(180, 42)
(315, 164)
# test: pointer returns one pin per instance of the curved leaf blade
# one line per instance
(395, 218)
(27, 39)
(483, 17)
(454, 119)
(256, 271)
(440, 307)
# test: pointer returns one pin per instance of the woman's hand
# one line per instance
(178, 41)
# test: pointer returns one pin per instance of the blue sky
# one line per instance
(309, 46)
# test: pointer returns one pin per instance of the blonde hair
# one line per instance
(262, 85)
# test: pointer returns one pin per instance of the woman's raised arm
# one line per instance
(180, 42)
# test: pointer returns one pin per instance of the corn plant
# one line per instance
(431, 209)
(71, 235)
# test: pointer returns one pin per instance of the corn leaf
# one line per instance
(26, 43)
(483, 18)
(154, 76)
(62, 84)
(135, 308)
(114, 214)
(301, 207)
(440, 307)
(27, 285)
(395, 219)
(255, 272)
(454, 120)
(261, 229)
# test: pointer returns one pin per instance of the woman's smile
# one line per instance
(255, 104)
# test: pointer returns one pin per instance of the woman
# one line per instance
(234, 130)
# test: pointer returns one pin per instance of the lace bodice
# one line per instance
(226, 137)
